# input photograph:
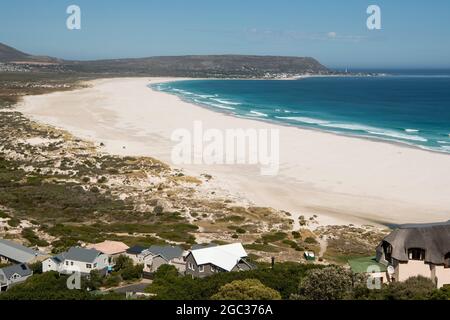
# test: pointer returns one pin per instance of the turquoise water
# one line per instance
(411, 109)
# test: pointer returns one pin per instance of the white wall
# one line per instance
(412, 268)
(442, 276)
(70, 266)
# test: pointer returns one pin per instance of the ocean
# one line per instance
(411, 108)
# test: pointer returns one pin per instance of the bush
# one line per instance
(284, 278)
(416, 288)
(123, 262)
(33, 239)
(131, 272)
(249, 289)
(330, 283)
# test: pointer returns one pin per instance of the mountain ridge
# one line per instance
(226, 65)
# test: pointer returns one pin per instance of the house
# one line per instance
(14, 252)
(77, 259)
(14, 274)
(135, 254)
(156, 256)
(111, 248)
(204, 262)
(417, 250)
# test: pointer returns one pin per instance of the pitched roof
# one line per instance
(135, 249)
(17, 252)
(81, 254)
(225, 257)
(203, 246)
(109, 247)
(167, 252)
(434, 238)
(21, 269)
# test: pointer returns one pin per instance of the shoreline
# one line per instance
(285, 124)
(305, 186)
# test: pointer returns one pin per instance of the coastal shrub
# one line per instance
(330, 283)
(3, 215)
(131, 272)
(13, 222)
(102, 180)
(248, 289)
(168, 285)
(310, 240)
(415, 288)
(273, 237)
(33, 239)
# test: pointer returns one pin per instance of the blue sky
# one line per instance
(414, 34)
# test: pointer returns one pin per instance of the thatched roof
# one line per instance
(433, 238)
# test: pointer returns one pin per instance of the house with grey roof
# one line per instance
(77, 259)
(14, 274)
(156, 256)
(417, 250)
(14, 252)
(135, 253)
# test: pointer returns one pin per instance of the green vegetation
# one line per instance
(49, 286)
(330, 283)
(249, 289)
(168, 285)
(33, 239)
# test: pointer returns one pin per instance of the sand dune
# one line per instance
(341, 179)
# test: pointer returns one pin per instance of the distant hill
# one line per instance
(10, 54)
(239, 66)
(205, 66)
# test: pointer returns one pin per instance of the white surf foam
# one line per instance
(227, 102)
(305, 120)
(258, 114)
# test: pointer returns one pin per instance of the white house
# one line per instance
(204, 262)
(417, 250)
(77, 260)
(14, 274)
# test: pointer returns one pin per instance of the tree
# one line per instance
(123, 262)
(36, 267)
(330, 283)
(95, 280)
(131, 272)
(249, 289)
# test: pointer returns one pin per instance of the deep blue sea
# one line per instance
(407, 107)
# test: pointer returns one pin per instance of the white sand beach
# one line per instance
(340, 179)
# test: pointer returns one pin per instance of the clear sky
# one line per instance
(415, 33)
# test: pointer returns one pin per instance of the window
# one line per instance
(201, 269)
(95, 265)
(447, 260)
(71, 263)
(88, 266)
(387, 248)
(191, 266)
(416, 254)
(67, 263)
